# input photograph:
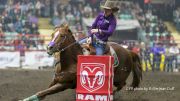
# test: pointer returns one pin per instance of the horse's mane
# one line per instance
(71, 38)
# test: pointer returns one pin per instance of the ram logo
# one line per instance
(92, 76)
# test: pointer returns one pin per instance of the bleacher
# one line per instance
(175, 33)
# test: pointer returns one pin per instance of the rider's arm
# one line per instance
(111, 28)
(94, 25)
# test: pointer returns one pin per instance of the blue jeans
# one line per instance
(100, 48)
(82, 41)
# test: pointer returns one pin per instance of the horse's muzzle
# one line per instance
(50, 53)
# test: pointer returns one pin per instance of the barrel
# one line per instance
(95, 78)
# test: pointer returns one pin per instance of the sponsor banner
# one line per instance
(36, 59)
(94, 78)
(9, 59)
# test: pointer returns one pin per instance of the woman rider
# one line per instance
(104, 26)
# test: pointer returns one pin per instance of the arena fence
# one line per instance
(29, 51)
(31, 60)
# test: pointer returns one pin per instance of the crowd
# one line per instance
(160, 57)
(155, 30)
(21, 16)
(74, 11)
(22, 41)
(159, 50)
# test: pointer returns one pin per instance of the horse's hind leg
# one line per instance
(121, 82)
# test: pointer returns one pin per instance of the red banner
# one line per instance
(95, 78)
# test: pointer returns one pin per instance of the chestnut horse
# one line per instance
(68, 48)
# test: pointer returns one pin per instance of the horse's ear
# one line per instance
(66, 26)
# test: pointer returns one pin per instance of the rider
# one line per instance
(104, 26)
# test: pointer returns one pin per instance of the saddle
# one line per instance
(88, 49)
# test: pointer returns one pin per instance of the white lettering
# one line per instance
(89, 97)
(101, 98)
(80, 96)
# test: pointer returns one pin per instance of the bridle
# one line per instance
(61, 50)
(58, 49)
(59, 44)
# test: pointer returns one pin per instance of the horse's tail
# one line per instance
(137, 70)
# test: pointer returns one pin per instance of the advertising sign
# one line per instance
(95, 78)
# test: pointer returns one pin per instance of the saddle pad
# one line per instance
(113, 53)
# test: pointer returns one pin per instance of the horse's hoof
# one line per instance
(31, 98)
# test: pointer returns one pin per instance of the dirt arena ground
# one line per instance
(18, 84)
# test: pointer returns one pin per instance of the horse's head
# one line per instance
(61, 38)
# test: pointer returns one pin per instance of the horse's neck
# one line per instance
(69, 56)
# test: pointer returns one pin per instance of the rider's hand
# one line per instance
(93, 31)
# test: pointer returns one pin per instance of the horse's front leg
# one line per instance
(52, 90)
(61, 82)
(53, 82)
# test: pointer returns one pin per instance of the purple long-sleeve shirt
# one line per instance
(107, 25)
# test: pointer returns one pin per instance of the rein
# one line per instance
(73, 44)
(68, 46)
(59, 61)
(63, 49)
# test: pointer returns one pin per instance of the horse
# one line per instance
(66, 48)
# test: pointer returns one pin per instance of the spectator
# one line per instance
(147, 57)
(168, 60)
(17, 41)
(21, 48)
(157, 51)
(56, 20)
(136, 48)
(70, 18)
(174, 50)
(87, 11)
